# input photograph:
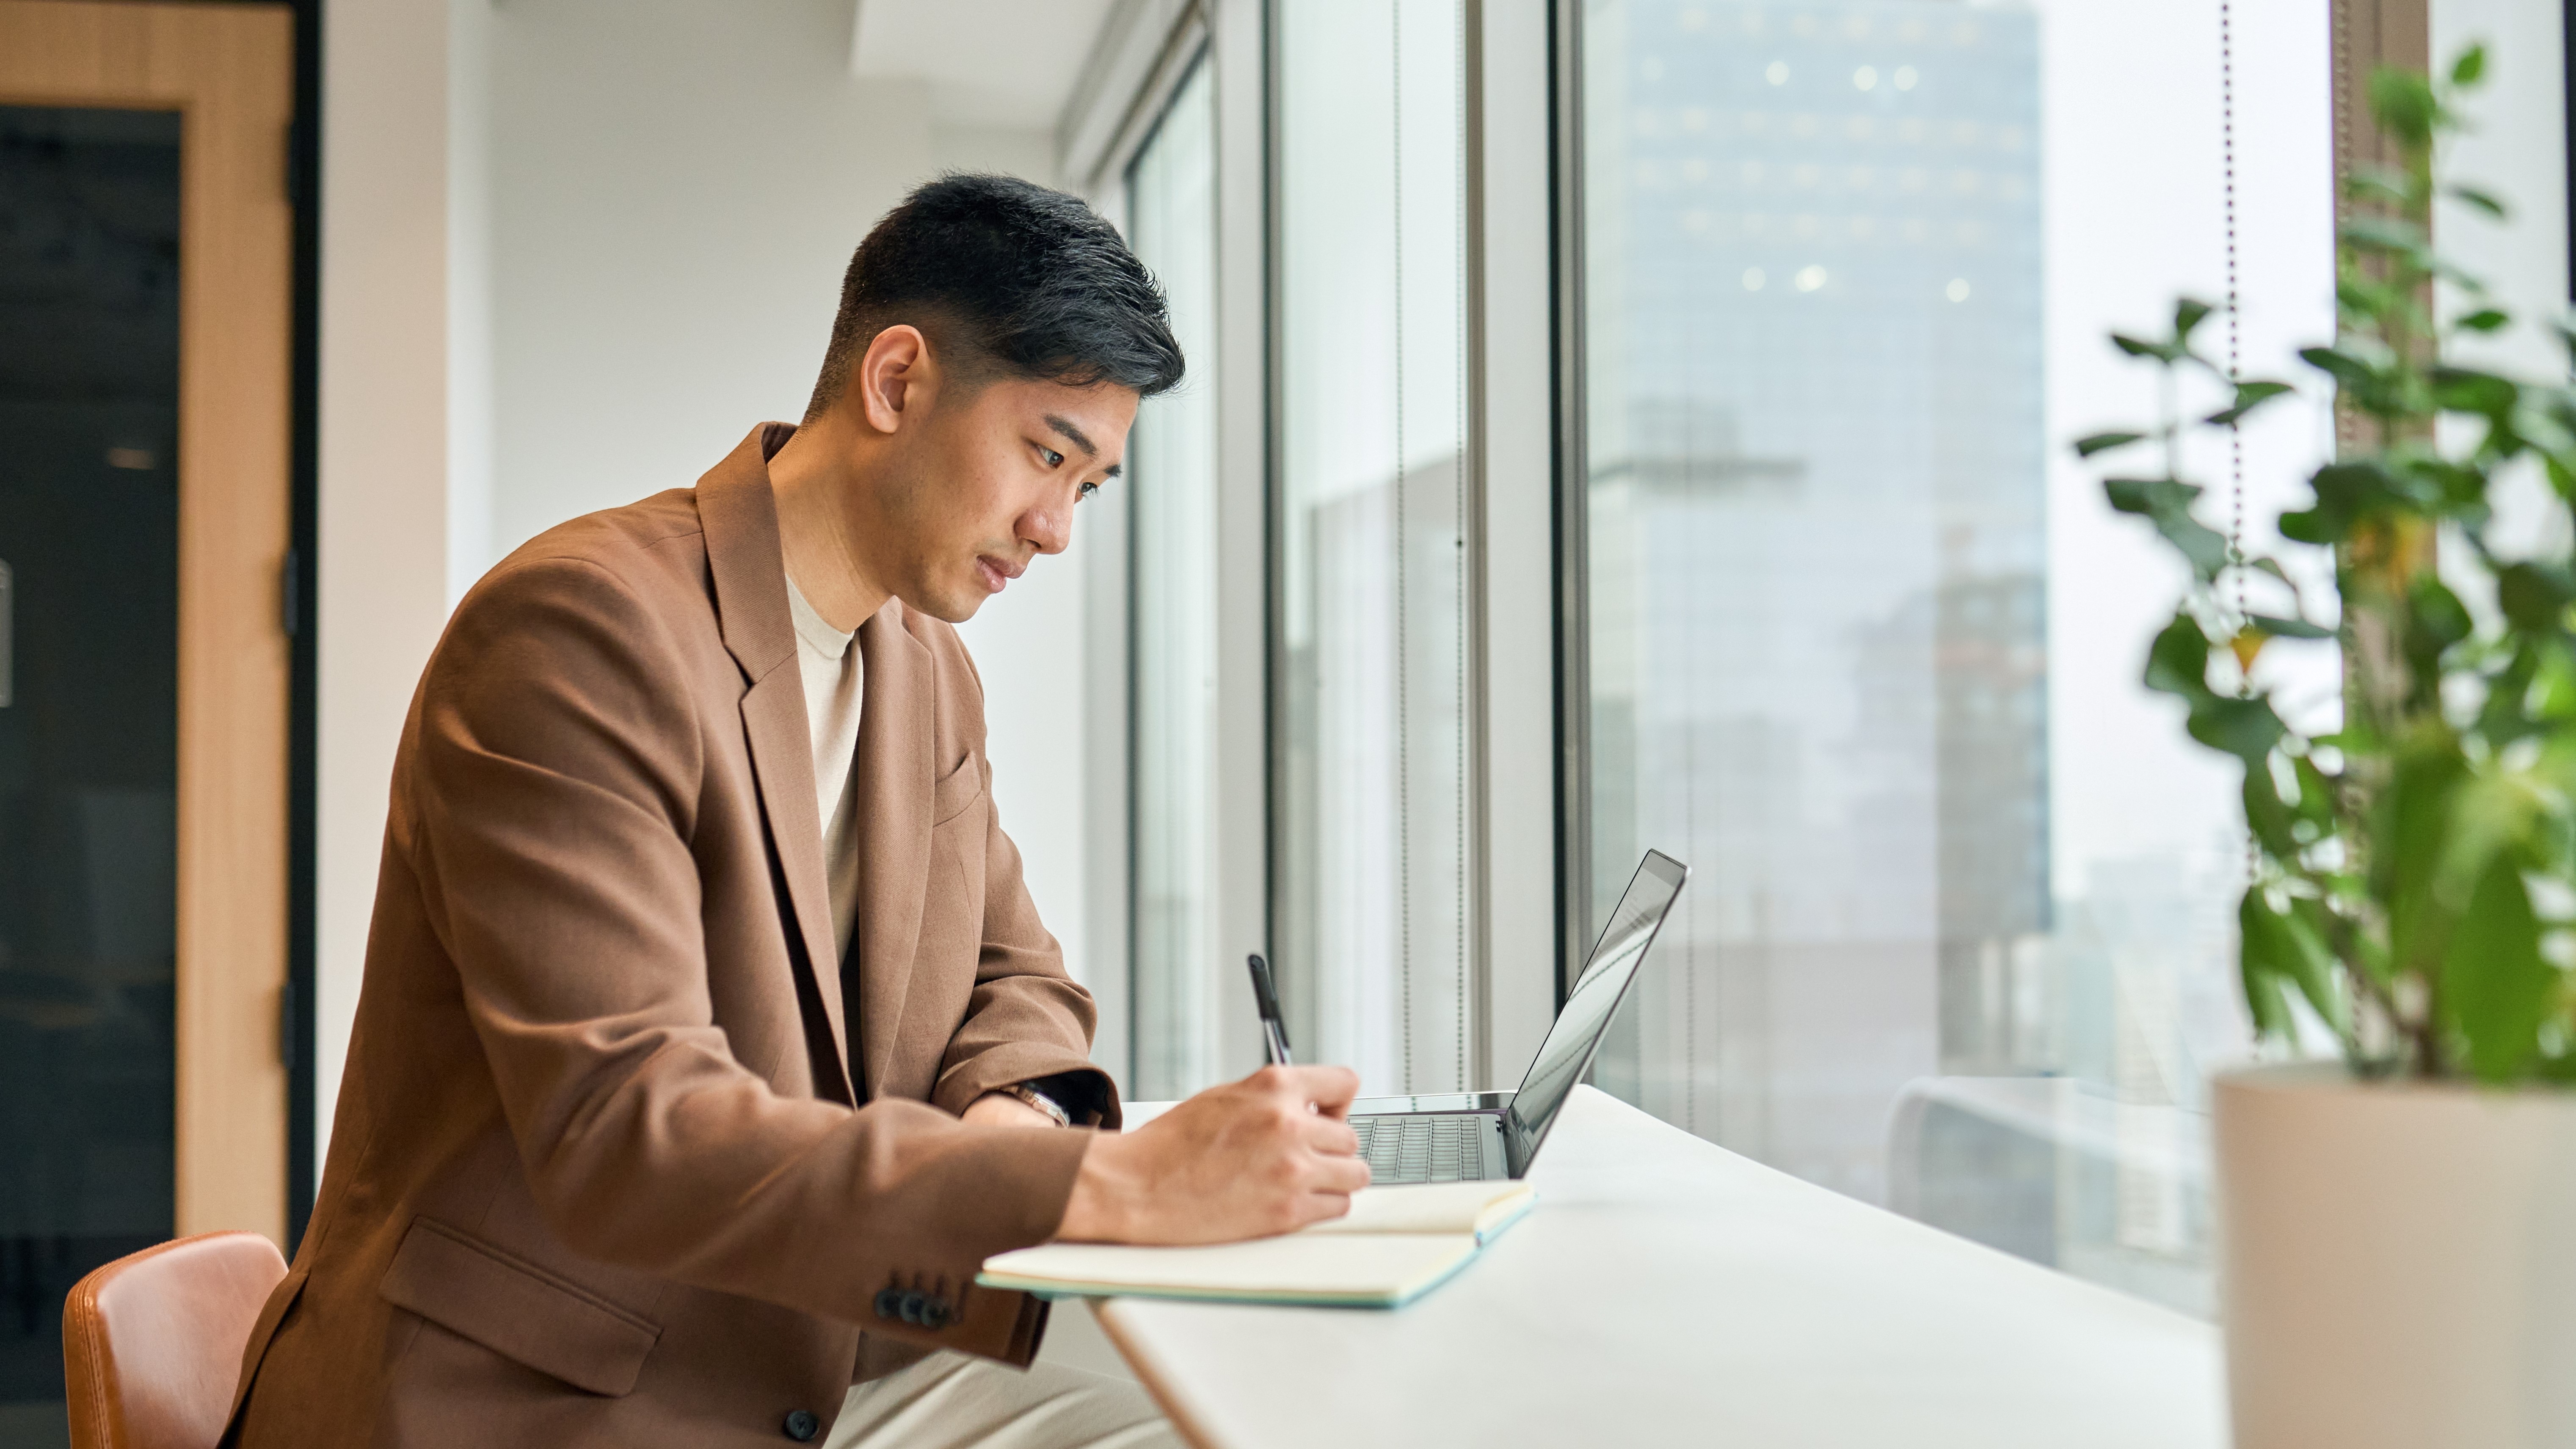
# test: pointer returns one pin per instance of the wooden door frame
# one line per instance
(229, 70)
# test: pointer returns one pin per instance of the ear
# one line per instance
(893, 375)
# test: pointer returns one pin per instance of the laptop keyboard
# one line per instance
(1445, 1147)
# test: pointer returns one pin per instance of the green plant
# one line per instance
(2414, 871)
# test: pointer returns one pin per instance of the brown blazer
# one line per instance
(599, 1173)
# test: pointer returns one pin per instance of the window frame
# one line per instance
(1515, 452)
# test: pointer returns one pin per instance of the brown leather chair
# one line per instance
(152, 1343)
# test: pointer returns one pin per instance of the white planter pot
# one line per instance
(2397, 1262)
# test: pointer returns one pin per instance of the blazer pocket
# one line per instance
(517, 1309)
(960, 788)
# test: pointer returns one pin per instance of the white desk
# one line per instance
(1666, 1291)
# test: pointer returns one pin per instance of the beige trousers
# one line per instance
(950, 1401)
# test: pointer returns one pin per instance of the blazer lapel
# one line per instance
(741, 521)
(896, 768)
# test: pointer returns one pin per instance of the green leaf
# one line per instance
(2318, 791)
(2534, 596)
(2496, 986)
(2503, 716)
(2403, 102)
(2385, 184)
(2369, 232)
(2552, 695)
(2167, 502)
(2458, 276)
(2470, 67)
(2273, 567)
(2437, 620)
(2486, 319)
(2356, 487)
(2188, 314)
(2342, 366)
(2318, 922)
(2485, 201)
(2139, 347)
(2245, 728)
(2104, 442)
(2178, 660)
(2313, 525)
(2249, 396)
(2438, 611)
(2203, 545)
(2312, 966)
(2363, 296)
(2149, 496)
(2345, 491)
(2492, 815)
(2467, 390)
(2433, 483)
(2411, 823)
(2269, 816)
(2290, 628)
(2259, 963)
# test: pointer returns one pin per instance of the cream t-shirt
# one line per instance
(835, 672)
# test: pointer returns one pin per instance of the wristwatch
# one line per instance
(1040, 1100)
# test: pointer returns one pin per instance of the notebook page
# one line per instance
(1296, 1268)
(1429, 1207)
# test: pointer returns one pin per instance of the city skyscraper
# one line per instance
(1818, 557)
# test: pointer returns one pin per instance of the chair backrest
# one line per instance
(152, 1343)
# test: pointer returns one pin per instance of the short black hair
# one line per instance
(1006, 278)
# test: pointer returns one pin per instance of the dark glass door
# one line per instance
(89, 518)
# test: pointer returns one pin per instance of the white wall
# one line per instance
(2517, 149)
(573, 251)
(383, 512)
(676, 188)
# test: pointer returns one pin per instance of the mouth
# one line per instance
(997, 573)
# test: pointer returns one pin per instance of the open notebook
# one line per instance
(1396, 1244)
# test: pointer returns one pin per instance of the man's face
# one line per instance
(991, 482)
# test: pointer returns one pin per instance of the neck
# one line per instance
(817, 480)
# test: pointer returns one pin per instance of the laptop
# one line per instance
(1481, 1136)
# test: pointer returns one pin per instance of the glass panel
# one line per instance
(1171, 192)
(1369, 721)
(89, 515)
(1865, 640)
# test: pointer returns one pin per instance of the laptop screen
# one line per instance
(1595, 997)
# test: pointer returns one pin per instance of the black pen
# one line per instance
(1265, 998)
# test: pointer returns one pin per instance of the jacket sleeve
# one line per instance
(549, 812)
(1027, 1019)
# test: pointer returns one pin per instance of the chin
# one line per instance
(954, 607)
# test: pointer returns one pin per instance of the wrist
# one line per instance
(1098, 1210)
(997, 1109)
(1038, 1102)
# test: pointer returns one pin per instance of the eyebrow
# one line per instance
(1075, 436)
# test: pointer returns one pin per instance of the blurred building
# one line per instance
(1817, 473)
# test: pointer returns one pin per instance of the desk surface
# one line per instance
(1669, 1291)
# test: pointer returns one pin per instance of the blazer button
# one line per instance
(934, 1314)
(913, 1303)
(801, 1426)
(889, 1304)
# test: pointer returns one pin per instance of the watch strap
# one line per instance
(1039, 1100)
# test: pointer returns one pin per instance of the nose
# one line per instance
(1048, 526)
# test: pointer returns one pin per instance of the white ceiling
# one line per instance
(988, 62)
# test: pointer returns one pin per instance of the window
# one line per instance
(1371, 767)
(1171, 613)
(1862, 639)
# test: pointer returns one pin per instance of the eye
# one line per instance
(1087, 490)
(1053, 458)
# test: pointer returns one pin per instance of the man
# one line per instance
(709, 1040)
